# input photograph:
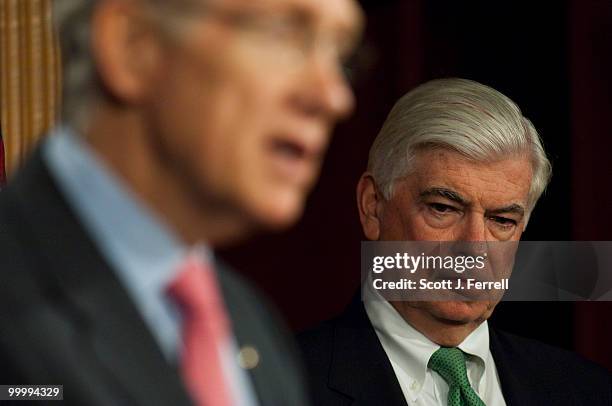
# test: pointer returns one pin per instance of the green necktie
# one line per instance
(450, 364)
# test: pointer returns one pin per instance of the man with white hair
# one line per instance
(187, 124)
(455, 161)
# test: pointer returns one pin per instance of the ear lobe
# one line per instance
(368, 200)
(123, 49)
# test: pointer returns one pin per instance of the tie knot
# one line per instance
(450, 364)
(195, 286)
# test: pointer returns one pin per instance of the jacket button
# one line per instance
(248, 357)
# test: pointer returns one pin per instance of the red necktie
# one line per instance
(206, 333)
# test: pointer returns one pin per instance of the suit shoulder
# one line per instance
(347, 330)
(15, 251)
(541, 351)
(7, 218)
(318, 338)
(317, 346)
(547, 360)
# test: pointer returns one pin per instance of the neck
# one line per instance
(124, 142)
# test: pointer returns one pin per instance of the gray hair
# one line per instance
(81, 84)
(460, 115)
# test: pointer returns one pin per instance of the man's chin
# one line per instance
(278, 212)
(457, 313)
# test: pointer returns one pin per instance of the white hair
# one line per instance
(80, 81)
(460, 115)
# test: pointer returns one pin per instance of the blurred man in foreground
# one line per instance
(187, 124)
(455, 161)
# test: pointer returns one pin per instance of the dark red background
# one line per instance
(554, 60)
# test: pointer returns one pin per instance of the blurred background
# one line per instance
(553, 58)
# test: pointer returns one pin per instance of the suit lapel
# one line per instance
(250, 332)
(514, 375)
(360, 368)
(243, 327)
(114, 335)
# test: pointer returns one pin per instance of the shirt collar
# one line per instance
(400, 338)
(477, 343)
(414, 348)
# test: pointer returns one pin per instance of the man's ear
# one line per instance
(369, 205)
(125, 49)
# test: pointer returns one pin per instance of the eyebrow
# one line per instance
(512, 208)
(445, 193)
(457, 198)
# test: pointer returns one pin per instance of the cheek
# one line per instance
(242, 117)
(496, 234)
(224, 103)
(419, 227)
(436, 228)
(218, 117)
(405, 225)
(180, 105)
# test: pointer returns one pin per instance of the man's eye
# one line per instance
(441, 208)
(503, 221)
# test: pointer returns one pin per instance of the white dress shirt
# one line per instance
(409, 352)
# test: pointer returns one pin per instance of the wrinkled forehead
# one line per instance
(508, 176)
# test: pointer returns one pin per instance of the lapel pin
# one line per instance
(248, 357)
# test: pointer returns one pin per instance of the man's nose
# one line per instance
(472, 236)
(473, 228)
(326, 92)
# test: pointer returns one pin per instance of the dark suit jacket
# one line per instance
(348, 366)
(2, 168)
(66, 319)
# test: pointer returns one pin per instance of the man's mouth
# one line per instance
(295, 159)
(291, 150)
